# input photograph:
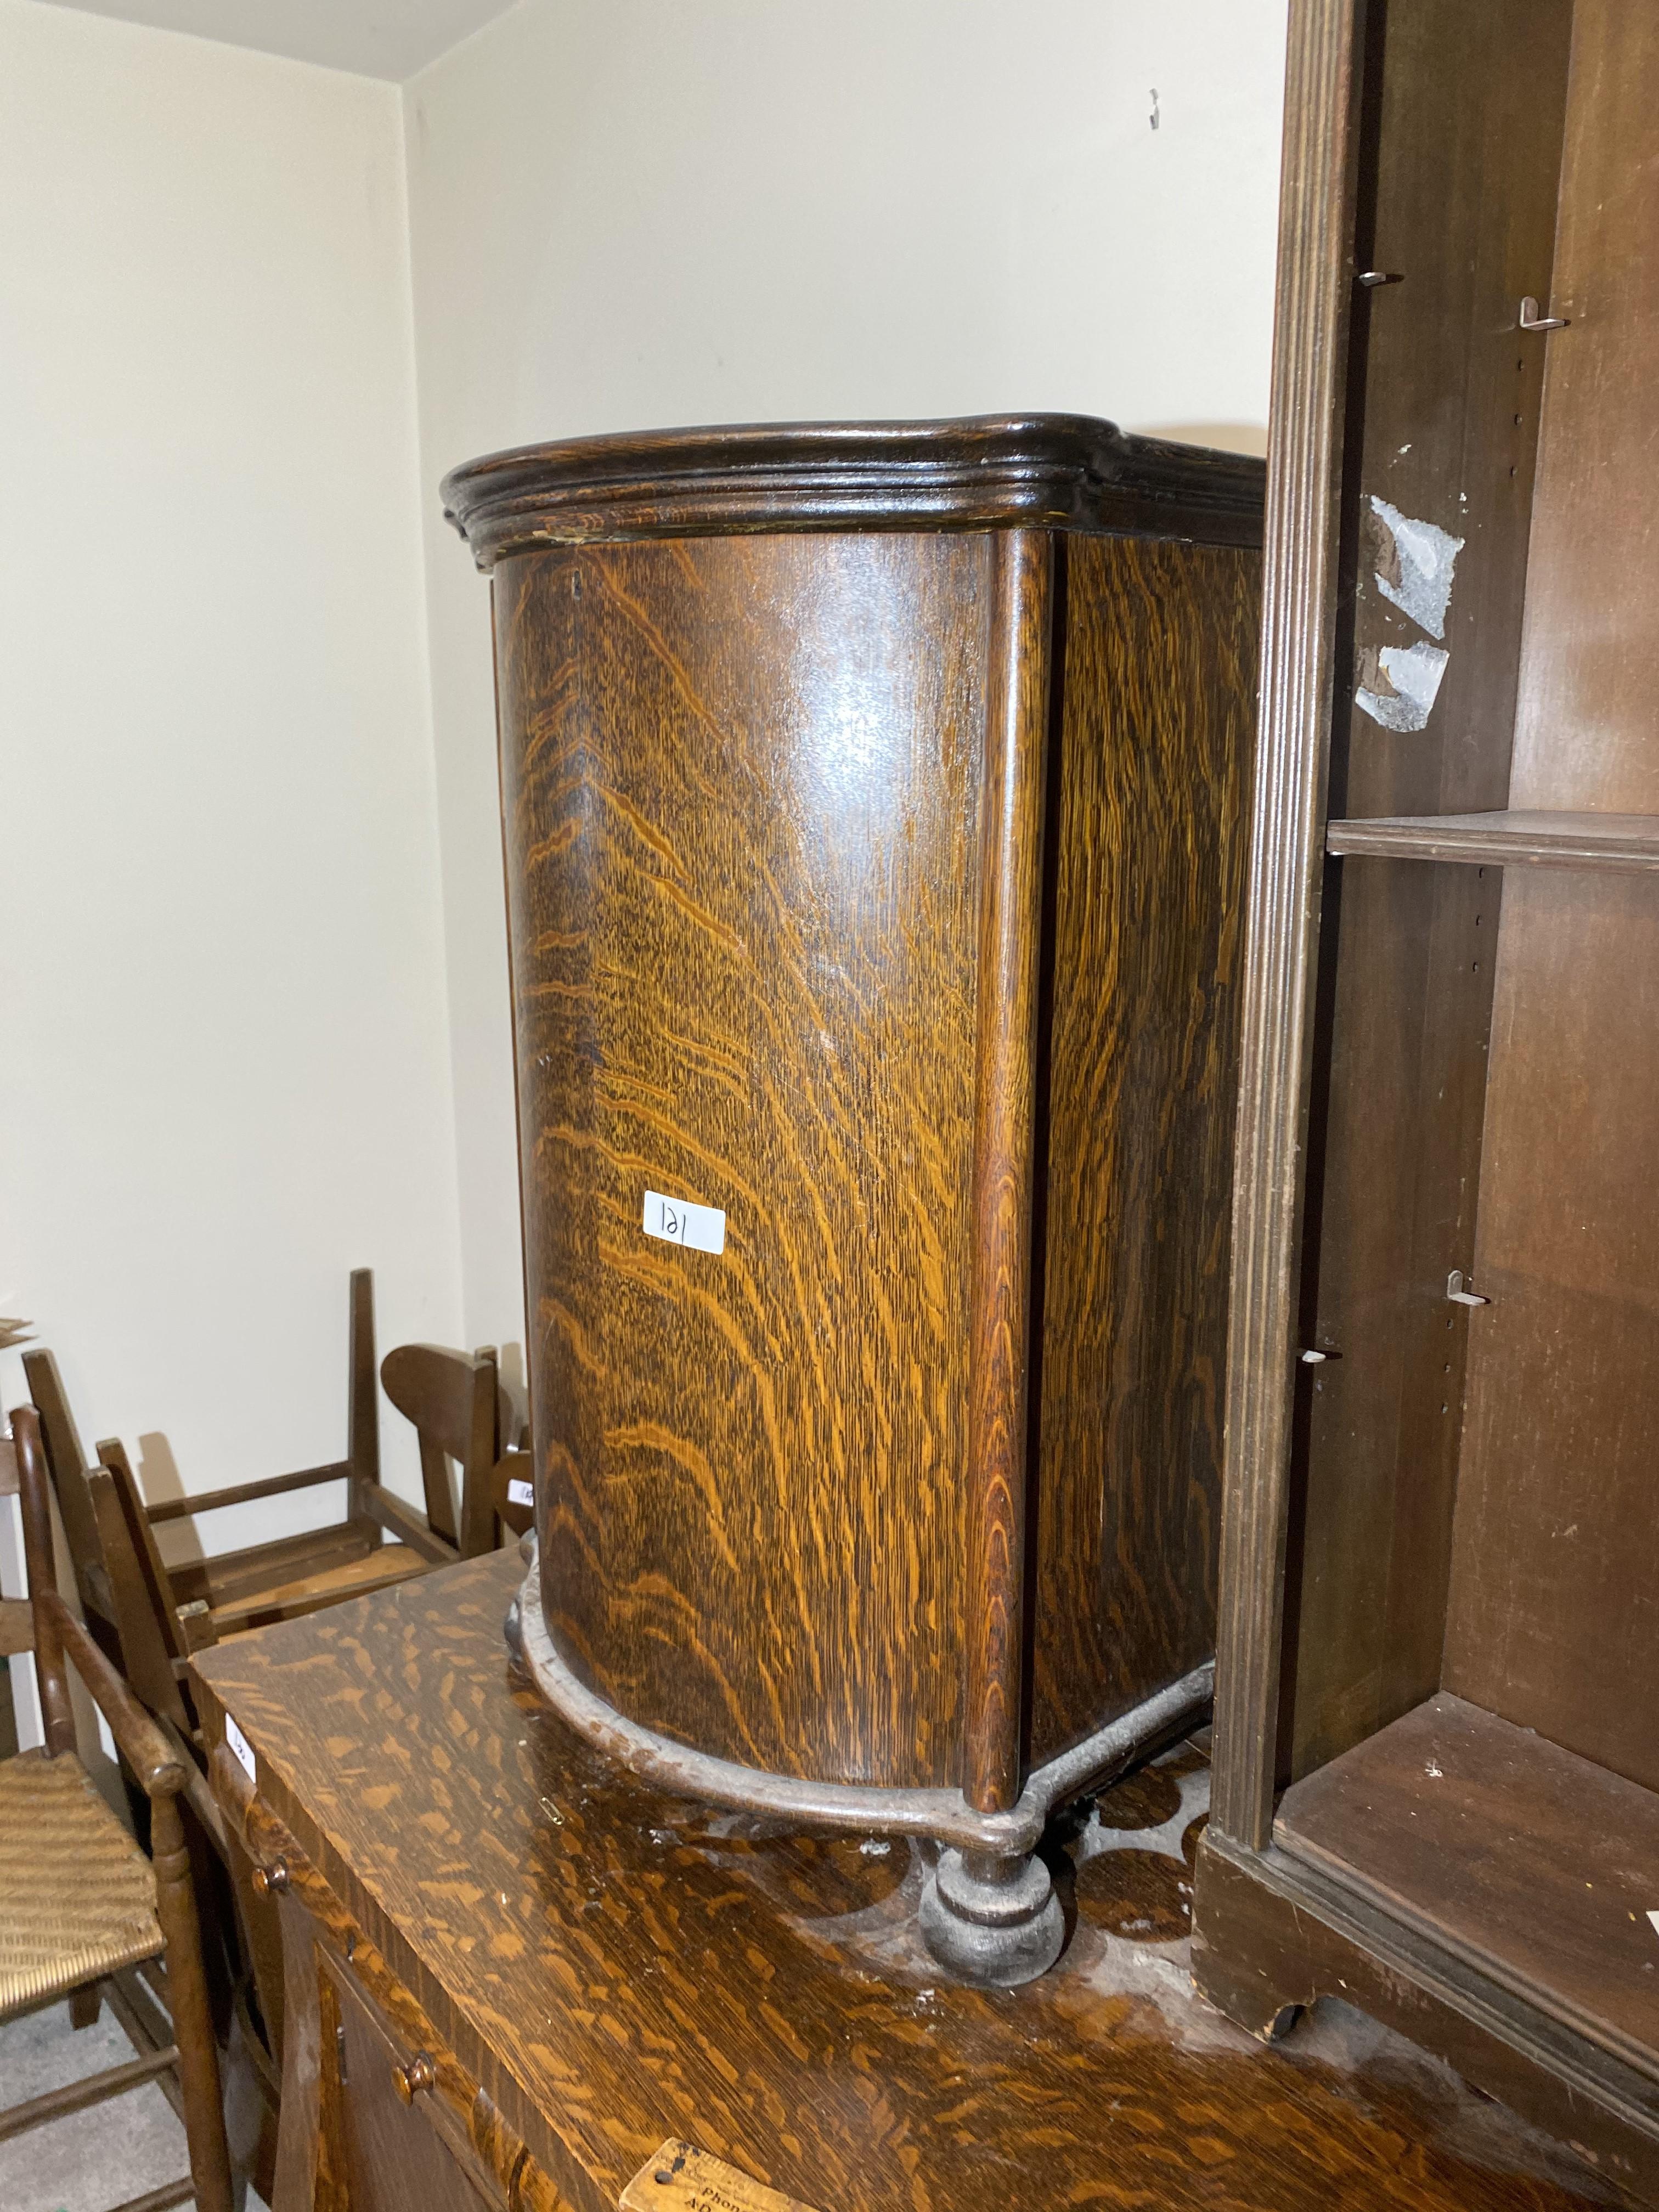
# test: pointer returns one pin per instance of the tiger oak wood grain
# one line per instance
(608, 1968)
(784, 762)
(1015, 770)
(742, 791)
(1153, 781)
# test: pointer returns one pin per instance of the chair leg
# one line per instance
(192, 2021)
(86, 2004)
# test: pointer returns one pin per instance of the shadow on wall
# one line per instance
(159, 1483)
(515, 1388)
(1222, 437)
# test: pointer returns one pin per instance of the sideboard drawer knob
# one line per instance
(409, 2081)
(271, 1881)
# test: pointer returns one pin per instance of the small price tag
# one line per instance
(676, 1221)
(520, 1494)
(683, 2178)
(241, 1750)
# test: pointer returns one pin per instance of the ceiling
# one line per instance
(374, 38)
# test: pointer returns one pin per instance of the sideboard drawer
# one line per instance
(398, 2142)
(379, 2114)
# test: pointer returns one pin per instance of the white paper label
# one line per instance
(241, 1749)
(1654, 1917)
(676, 1222)
(520, 1493)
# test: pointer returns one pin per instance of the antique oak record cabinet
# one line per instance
(875, 803)
(1437, 1750)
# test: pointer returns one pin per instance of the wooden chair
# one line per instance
(455, 1402)
(152, 1639)
(275, 1581)
(79, 1902)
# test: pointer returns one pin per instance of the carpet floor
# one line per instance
(86, 2162)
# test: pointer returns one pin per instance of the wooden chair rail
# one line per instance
(75, 2096)
(408, 1527)
(245, 1494)
(160, 1771)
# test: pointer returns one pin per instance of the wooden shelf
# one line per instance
(1536, 1866)
(1519, 837)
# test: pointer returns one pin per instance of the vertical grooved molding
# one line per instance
(1009, 932)
(1304, 470)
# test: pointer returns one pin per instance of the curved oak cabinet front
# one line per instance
(874, 829)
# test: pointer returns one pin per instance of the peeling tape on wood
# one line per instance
(241, 1750)
(683, 2178)
(1415, 565)
(1415, 672)
(1415, 562)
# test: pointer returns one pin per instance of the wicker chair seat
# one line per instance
(77, 1896)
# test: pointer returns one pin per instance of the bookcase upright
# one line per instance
(1436, 1785)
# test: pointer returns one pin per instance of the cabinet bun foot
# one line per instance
(994, 1922)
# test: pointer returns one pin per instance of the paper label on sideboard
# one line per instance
(683, 2178)
(520, 1493)
(240, 1749)
(676, 1221)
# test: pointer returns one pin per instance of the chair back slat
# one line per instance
(146, 1620)
(362, 1401)
(50, 1673)
(450, 1398)
(140, 1535)
(66, 1464)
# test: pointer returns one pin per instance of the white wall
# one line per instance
(250, 929)
(627, 213)
(224, 1074)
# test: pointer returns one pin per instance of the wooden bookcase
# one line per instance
(1437, 1718)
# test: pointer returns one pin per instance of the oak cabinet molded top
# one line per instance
(1054, 471)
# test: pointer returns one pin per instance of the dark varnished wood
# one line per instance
(1051, 471)
(1509, 837)
(1275, 1932)
(1464, 1479)
(248, 1493)
(1153, 780)
(604, 1968)
(1553, 1620)
(1006, 1090)
(1298, 650)
(1540, 1865)
(1464, 142)
(451, 1399)
(1585, 731)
